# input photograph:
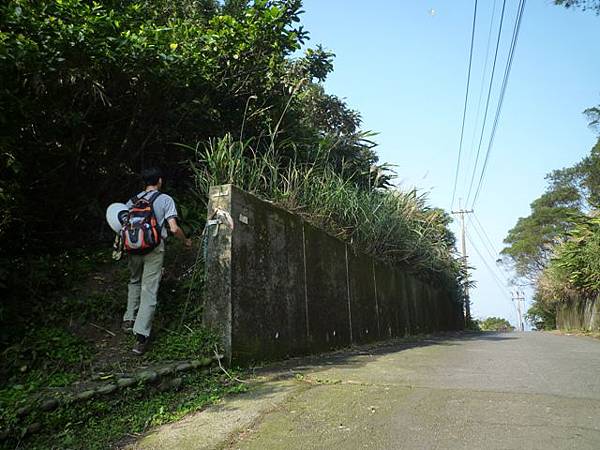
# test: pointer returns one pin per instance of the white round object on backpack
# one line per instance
(115, 215)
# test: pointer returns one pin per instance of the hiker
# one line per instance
(158, 212)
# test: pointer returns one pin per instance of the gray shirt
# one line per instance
(164, 209)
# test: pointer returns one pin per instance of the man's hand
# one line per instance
(178, 232)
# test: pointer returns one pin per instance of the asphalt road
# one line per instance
(500, 391)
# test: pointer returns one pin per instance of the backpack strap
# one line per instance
(154, 197)
(150, 200)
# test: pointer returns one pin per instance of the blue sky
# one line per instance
(403, 65)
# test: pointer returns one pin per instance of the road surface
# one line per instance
(491, 391)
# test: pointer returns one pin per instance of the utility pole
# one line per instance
(463, 242)
(519, 299)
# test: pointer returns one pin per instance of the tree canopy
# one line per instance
(572, 192)
(591, 5)
(495, 324)
(91, 92)
(556, 247)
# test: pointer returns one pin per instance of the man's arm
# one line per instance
(178, 232)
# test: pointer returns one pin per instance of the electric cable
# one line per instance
(507, 70)
(485, 234)
(501, 270)
(462, 131)
(498, 282)
(487, 103)
(483, 77)
(491, 253)
(485, 246)
(494, 275)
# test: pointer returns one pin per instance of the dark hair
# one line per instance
(151, 175)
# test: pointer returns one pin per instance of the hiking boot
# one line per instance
(127, 326)
(140, 346)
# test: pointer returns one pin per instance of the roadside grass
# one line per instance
(586, 333)
(103, 423)
(100, 422)
(71, 335)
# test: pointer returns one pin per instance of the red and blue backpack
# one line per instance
(141, 232)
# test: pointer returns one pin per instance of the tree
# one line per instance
(589, 177)
(531, 240)
(556, 247)
(542, 314)
(495, 324)
(591, 5)
(92, 92)
(572, 193)
(593, 115)
(574, 271)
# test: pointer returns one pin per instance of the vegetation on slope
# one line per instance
(91, 93)
(556, 247)
(396, 226)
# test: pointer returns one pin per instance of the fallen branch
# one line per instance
(103, 329)
(218, 358)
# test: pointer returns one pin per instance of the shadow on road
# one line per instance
(348, 356)
(267, 375)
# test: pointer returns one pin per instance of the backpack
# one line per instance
(141, 232)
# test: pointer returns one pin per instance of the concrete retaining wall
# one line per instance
(579, 315)
(277, 286)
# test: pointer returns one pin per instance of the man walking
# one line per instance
(146, 268)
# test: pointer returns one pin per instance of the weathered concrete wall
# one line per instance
(277, 286)
(579, 315)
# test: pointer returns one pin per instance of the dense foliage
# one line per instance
(556, 247)
(495, 324)
(531, 241)
(91, 92)
(574, 271)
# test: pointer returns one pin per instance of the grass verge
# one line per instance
(107, 423)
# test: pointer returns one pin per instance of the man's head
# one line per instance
(152, 176)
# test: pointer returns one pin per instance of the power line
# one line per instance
(487, 103)
(462, 131)
(490, 248)
(506, 275)
(485, 246)
(485, 234)
(498, 282)
(502, 288)
(483, 75)
(507, 70)
(485, 240)
(495, 277)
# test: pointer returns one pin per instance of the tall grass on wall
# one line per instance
(394, 225)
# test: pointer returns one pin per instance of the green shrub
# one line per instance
(49, 349)
(186, 343)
